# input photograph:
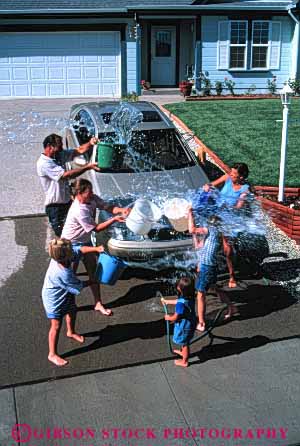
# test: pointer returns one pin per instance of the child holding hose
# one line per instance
(184, 318)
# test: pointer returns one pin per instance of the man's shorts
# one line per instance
(206, 278)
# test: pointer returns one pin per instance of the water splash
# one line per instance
(124, 121)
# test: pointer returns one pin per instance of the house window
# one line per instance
(163, 44)
(260, 44)
(234, 44)
(238, 44)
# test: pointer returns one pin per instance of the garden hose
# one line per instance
(207, 332)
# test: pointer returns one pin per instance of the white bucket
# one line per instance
(143, 215)
(177, 212)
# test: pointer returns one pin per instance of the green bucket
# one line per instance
(105, 152)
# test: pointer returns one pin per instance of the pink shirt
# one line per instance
(80, 221)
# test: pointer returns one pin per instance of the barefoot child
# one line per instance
(232, 195)
(207, 269)
(59, 289)
(184, 318)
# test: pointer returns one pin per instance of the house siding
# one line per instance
(131, 67)
(187, 47)
(244, 79)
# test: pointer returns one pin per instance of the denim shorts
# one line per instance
(207, 277)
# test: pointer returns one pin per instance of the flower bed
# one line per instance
(231, 97)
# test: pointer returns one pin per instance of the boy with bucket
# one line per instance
(59, 290)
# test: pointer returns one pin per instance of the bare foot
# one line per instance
(201, 326)
(232, 311)
(178, 352)
(232, 283)
(181, 362)
(76, 337)
(57, 360)
(105, 311)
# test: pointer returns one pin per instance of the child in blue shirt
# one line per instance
(232, 195)
(59, 290)
(207, 268)
(184, 318)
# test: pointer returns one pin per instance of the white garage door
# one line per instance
(60, 64)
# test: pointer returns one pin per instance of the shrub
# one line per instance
(251, 89)
(295, 86)
(272, 87)
(205, 84)
(219, 87)
(130, 97)
(229, 84)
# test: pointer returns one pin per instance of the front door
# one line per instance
(163, 55)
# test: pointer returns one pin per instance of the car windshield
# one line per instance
(149, 150)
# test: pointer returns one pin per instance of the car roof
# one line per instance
(153, 117)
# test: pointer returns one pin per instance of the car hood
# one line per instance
(151, 185)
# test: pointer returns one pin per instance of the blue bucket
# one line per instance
(109, 268)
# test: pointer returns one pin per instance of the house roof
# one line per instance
(111, 6)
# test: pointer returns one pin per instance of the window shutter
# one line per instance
(223, 46)
(275, 43)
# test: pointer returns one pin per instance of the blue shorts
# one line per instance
(207, 277)
(66, 306)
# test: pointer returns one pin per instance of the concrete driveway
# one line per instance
(122, 388)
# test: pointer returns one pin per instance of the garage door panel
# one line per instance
(92, 89)
(48, 67)
(74, 90)
(21, 90)
(73, 73)
(5, 90)
(37, 73)
(5, 74)
(57, 89)
(56, 73)
(73, 59)
(19, 74)
(109, 73)
(39, 90)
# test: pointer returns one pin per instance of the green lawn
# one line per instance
(246, 131)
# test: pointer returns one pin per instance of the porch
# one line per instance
(168, 50)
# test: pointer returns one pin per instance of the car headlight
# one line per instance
(125, 234)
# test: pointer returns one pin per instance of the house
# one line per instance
(104, 48)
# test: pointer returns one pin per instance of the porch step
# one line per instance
(161, 91)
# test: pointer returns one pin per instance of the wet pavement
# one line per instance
(243, 379)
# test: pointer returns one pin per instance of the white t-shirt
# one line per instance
(80, 220)
(50, 172)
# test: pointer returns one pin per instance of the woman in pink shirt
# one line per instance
(81, 222)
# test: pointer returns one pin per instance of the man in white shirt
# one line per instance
(51, 168)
